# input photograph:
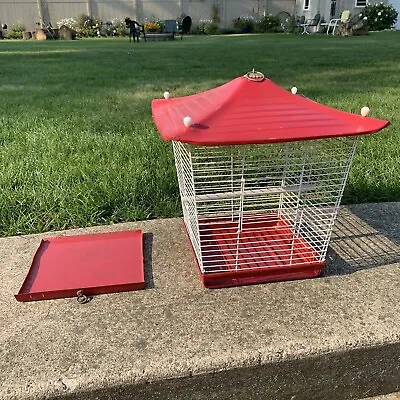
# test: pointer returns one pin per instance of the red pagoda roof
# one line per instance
(245, 111)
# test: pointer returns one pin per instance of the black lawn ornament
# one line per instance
(135, 29)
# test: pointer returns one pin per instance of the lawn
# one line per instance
(78, 146)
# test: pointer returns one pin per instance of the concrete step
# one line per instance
(333, 337)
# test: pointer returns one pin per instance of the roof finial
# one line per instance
(166, 95)
(293, 90)
(255, 76)
(364, 111)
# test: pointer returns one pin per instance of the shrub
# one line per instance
(17, 31)
(197, 29)
(211, 28)
(291, 25)
(200, 28)
(244, 24)
(380, 16)
(228, 31)
(87, 26)
(268, 23)
(68, 22)
(117, 27)
(82, 20)
(153, 26)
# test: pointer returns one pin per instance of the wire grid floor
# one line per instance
(260, 244)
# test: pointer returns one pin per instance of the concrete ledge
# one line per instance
(392, 396)
(335, 337)
(331, 376)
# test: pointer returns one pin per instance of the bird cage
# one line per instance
(261, 174)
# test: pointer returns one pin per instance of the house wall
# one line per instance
(16, 11)
(31, 12)
(324, 8)
(396, 5)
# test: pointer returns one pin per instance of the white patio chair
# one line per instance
(335, 22)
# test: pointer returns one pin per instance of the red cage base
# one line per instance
(222, 272)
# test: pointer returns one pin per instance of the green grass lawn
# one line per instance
(78, 146)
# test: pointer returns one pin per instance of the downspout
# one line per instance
(40, 10)
(225, 13)
(88, 8)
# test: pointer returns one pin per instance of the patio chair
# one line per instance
(171, 26)
(301, 24)
(3, 26)
(312, 23)
(336, 22)
(185, 26)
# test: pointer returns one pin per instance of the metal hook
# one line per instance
(82, 298)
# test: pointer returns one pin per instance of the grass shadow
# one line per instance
(148, 260)
(356, 245)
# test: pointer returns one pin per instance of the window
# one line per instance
(307, 4)
(361, 3)
(333, 9)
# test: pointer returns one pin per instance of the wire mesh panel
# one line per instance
(248, 208)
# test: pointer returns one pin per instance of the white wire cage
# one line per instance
(257, 213)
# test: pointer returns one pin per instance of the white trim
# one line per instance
(307, 3)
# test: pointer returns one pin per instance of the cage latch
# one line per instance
(82, 298)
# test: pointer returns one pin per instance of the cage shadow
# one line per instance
(356, 245)
(148, 260)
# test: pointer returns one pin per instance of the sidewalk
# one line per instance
(334, 337)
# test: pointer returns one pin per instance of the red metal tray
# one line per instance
(94, 264)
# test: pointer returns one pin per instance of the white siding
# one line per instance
(26, 12)
(108, 10)
(276, 6)
(161, 9)
(57, 10)
(396, 5)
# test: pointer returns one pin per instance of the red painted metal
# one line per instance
(96, 264)
(264, 275)
(264, 234)
(249, 112)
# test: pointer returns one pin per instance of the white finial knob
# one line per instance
(166, 95)
(187, 121)
(364, 111)
(294, 89)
